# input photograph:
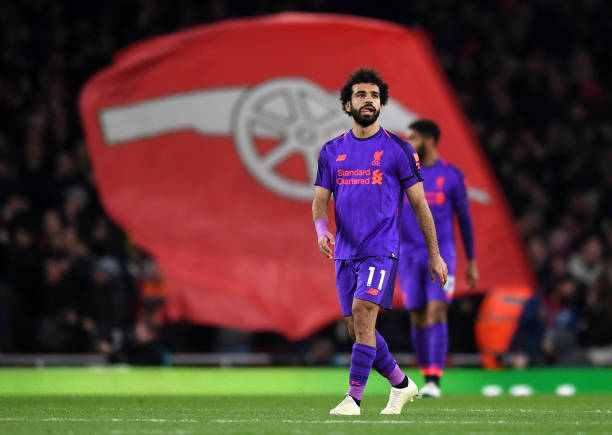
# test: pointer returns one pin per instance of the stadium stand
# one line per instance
(534, 78)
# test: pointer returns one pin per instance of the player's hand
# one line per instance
(437, 267)
(471, 274)
(326, 244)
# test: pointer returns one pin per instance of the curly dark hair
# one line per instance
(363, 75)
(427, 128)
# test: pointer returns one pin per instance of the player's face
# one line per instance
(365, 103)
(417, 141)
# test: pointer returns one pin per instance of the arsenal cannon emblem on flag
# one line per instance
(205, 143)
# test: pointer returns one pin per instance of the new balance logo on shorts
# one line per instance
(372, 291)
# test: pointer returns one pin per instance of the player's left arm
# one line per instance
(437, 266)
(460, 203)
(409, 175)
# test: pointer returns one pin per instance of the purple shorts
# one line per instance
(370, 279)
(416, 285)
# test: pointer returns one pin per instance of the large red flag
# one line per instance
(204, 145)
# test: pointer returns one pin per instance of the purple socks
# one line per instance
(438, 347)
(365, 357)
(361, 363)
(420, 345)
(385, 364)
(431, 346)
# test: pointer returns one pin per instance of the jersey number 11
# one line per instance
(371, 276)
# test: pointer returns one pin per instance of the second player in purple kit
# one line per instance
(367, 170)
(428, 303)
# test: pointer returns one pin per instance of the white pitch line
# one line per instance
(543, 411)
(476, 410)
(102, 420)
(151, 432)
(458, 422)
(256, 420)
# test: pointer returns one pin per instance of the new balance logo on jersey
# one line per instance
(341, 158)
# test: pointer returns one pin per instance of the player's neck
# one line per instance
(362, 132)
(430, 158)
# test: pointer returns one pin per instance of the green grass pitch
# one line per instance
(290, 400)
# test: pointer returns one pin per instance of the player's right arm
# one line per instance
(437, 266)
(320, 217)
(320, 204)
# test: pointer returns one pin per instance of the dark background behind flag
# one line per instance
(532, 77)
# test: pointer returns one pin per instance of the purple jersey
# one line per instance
(445, 193)
(367, 178)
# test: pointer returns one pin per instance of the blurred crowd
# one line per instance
(533, 76)
(535, 80)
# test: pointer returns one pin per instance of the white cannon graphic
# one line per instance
(297, 112)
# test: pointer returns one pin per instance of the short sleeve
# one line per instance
(324, 175)
(409, 167)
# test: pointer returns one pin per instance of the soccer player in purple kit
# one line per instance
(367, 170)
(428, 304)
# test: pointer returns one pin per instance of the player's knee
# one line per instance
(362, 320)
(363, 309)
(418, 319)
(437, 313)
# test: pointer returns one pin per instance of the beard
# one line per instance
(367, 120)
(421, 152)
